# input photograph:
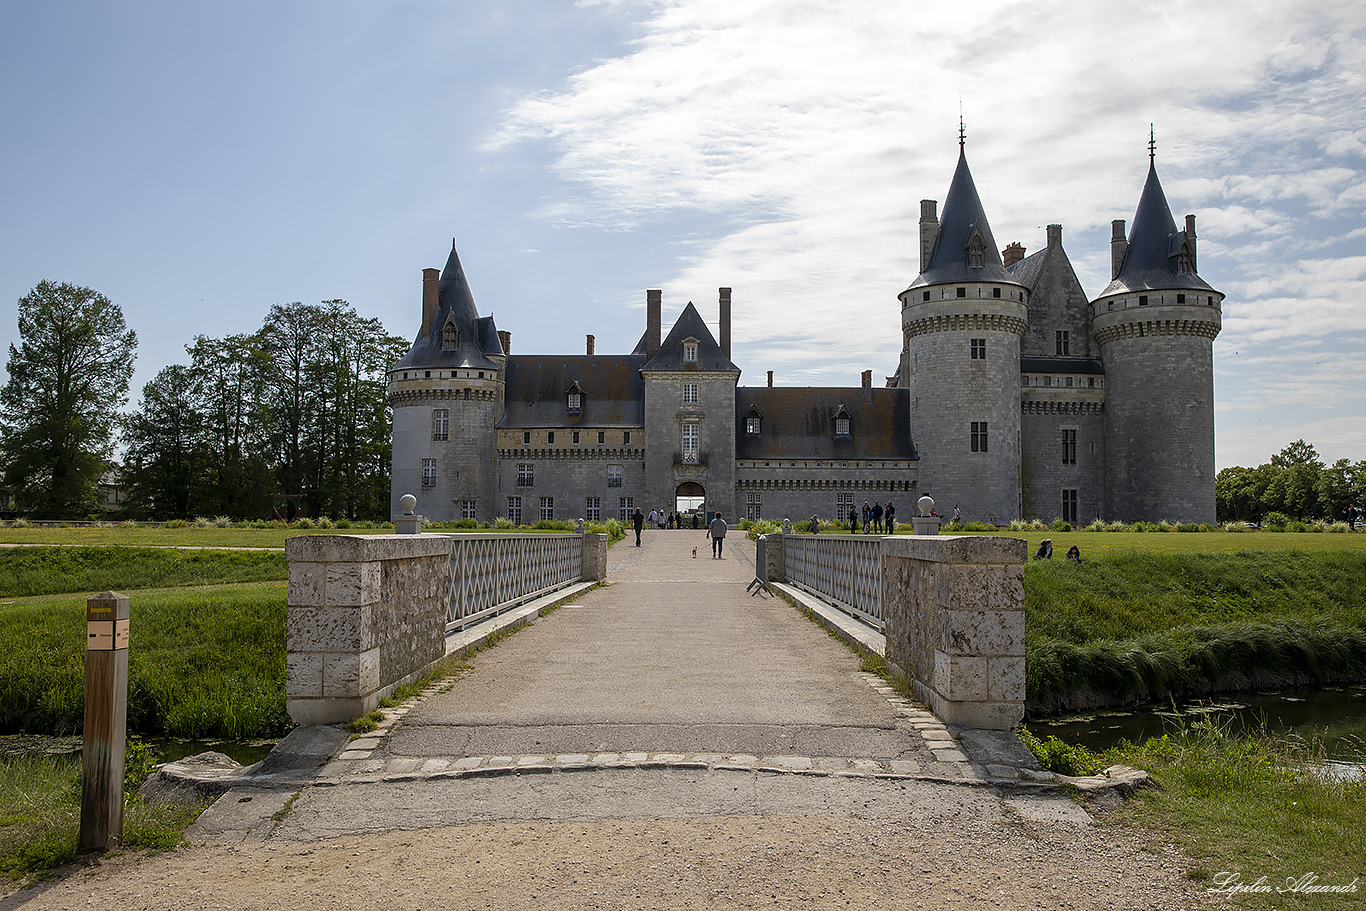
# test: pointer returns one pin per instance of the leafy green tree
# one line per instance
(231, 399)
(165, 467)
(1295, 488)
(68, 379)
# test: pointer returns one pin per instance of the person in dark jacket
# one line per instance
(639, 521)
(853, 520)
(889, 518)
(815, 525)
(877, 517)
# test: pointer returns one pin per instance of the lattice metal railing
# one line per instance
(491, 573)
(845, 570)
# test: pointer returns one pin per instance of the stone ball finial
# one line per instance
(925, 505)
(407, 503)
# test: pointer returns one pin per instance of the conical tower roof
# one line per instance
(476, 336)
(690, 325)
(1153, 253)
(963, 229)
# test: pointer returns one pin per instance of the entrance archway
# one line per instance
(689, 499)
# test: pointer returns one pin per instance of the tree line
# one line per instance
(298, 407)
(1295, 483)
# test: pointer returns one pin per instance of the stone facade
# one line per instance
(1014, 396)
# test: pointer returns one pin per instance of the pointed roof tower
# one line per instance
(1157, 255)
(457, 336)
(964, 249)
(690, 326)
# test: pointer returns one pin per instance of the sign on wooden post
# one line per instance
(106, 719)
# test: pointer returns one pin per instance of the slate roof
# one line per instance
(798, 423)
(1150, 261)
(537, 385)
(961, 218)
(670, 353)
(478, 335)
(1061, 365)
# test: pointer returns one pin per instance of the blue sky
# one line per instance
(198, 163)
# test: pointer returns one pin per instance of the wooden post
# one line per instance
(106, 719)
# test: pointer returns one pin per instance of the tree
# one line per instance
(165, 467)
(231, 371)
(68, 378)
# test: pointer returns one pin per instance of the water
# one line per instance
(1334, 716)
(167, 749)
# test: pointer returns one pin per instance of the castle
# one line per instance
(1015, 396)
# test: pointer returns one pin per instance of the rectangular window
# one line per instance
(526, 474)
(1069, 447)
(592, 509)
(1061, 341)
(1048, 381)
(841, 427)
(689, 393)
(574, 402)
(602, 437)
(1069, 505)
(613, 475)
(547, 508)
(441, 423)
(429, 472)
(625, 506)
(753, 506)
(690, 352)
(576, 438)
(995, 292)
(515, 510)
(843, 503)
(690, 441)
(550, 437)
(751, 425)
(979, 349)
(962, 292)
(979, 436)
(626, 438)
(467, 510)
(526, 437)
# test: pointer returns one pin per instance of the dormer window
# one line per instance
(976, 251)
(754, 421)
(690, 351)
(752, 426)
(842, 427)
(573, 399)
(450, 336)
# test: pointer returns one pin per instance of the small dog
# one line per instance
(694, 553)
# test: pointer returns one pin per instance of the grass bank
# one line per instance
(1246, 810)
(26, 571)
(203, 663)
(40, 814)
(1132, 626)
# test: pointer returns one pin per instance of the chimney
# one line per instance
(770, 379)
(1012, 254)
(653, 303)
(505, 339)
(1190, 236)
(929, 229)
(1118, 247)
(867, 385)
(725, 321)
(589, 352)
(1055, 235)
(431, 298)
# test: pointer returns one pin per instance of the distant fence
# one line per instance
(368, 613)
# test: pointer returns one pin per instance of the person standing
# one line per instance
(639, 521)
(867, 517)
(853, 520)
(815, 525)
(957, 515)
(1351, 518)
(877, 517)
(889, 518)
(717, 531)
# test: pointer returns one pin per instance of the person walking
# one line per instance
(867, 517)
(889, 518)
(815, 525)
(717, 532)
(639, 521)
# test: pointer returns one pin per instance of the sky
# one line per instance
(199, 163)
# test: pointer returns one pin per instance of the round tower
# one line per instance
(1155, 325)
(447, 396)
(962, 319)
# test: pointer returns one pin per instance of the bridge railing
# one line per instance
(951, 610)
(491, 573)
(845, 570)
(368, 613)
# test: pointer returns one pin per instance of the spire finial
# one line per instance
(962, 132)
(1152, 145)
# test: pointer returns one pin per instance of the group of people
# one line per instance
(658, 519)
(716, 529)
(877, 519)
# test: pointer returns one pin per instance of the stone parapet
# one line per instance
(954, 609)
(594, 557)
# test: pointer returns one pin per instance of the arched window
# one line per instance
(450, 336)
(976, 251)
